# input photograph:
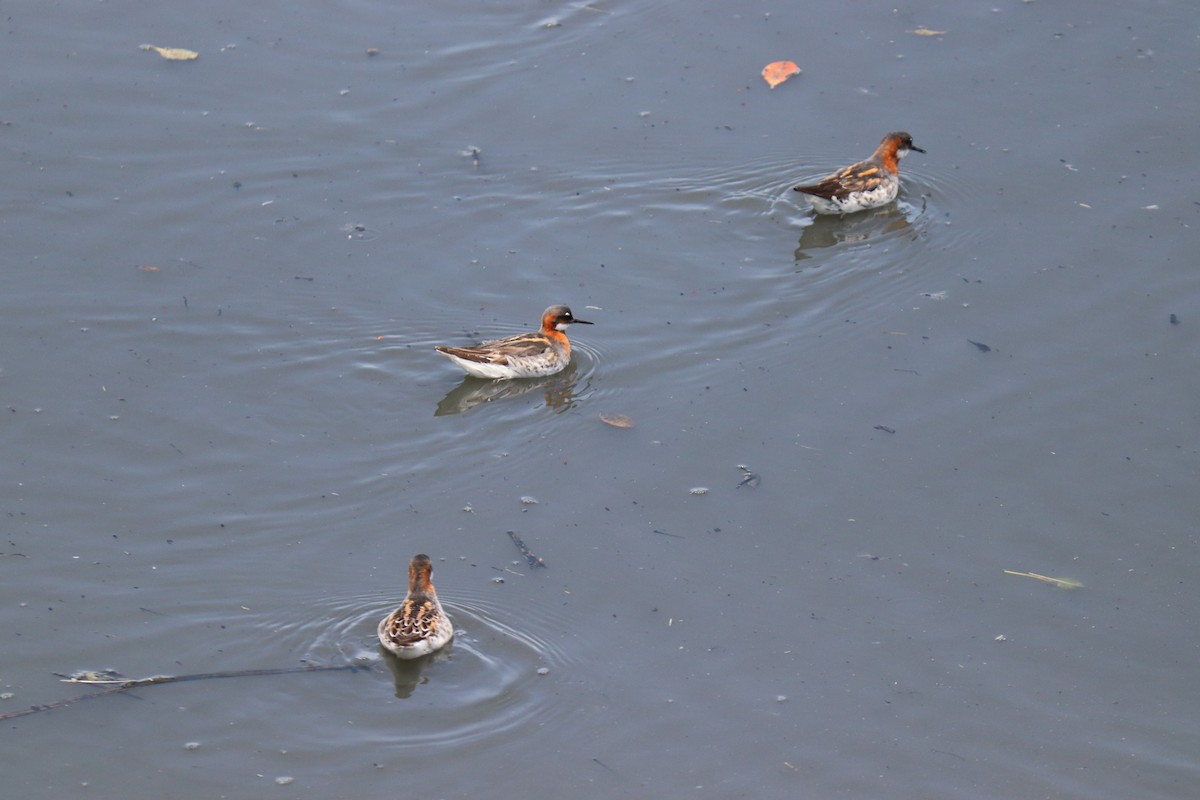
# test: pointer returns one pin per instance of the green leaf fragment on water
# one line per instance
(1061, 583)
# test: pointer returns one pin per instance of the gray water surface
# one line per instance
(227, 430)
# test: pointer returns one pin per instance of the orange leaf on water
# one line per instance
(777, 72)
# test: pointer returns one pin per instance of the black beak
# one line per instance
(576, 321)
(914, 147)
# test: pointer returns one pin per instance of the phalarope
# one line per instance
(418, 626)
(867, 184)
(529, 355)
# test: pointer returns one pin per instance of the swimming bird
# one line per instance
(529, 355)
(419, 626)
(867, 184)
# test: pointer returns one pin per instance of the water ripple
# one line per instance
(491, 680)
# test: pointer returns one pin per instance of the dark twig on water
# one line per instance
(112, 685)
(534, 561)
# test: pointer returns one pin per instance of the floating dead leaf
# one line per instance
(1061, 583)
(777, 72)
(616, 420)
(172, 53)
(148, 268)
(927, 32)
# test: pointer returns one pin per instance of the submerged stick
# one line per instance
(114, 685)
(534, 561)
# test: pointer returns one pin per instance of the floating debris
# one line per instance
(171, 53)
(543, 670)
(983, 348)
(529, 501)
(113, 683)
(927, 32)
(92, 676)
(1061, 583)
(191, 746)
(698, 490)
(777, 72)
(616, 420)
(1174, 319)
(533, 561)
(885, 429)
(749, 478)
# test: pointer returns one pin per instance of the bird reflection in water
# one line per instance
(407, 672)
(826, 230)
(559, 391)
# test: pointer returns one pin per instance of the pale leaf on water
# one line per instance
(1061, 583)
(172, 53)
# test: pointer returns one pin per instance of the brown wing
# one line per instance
(412, 622)
(500, 350)
(472, 354)
(846, 181)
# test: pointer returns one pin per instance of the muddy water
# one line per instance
(227, 430)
